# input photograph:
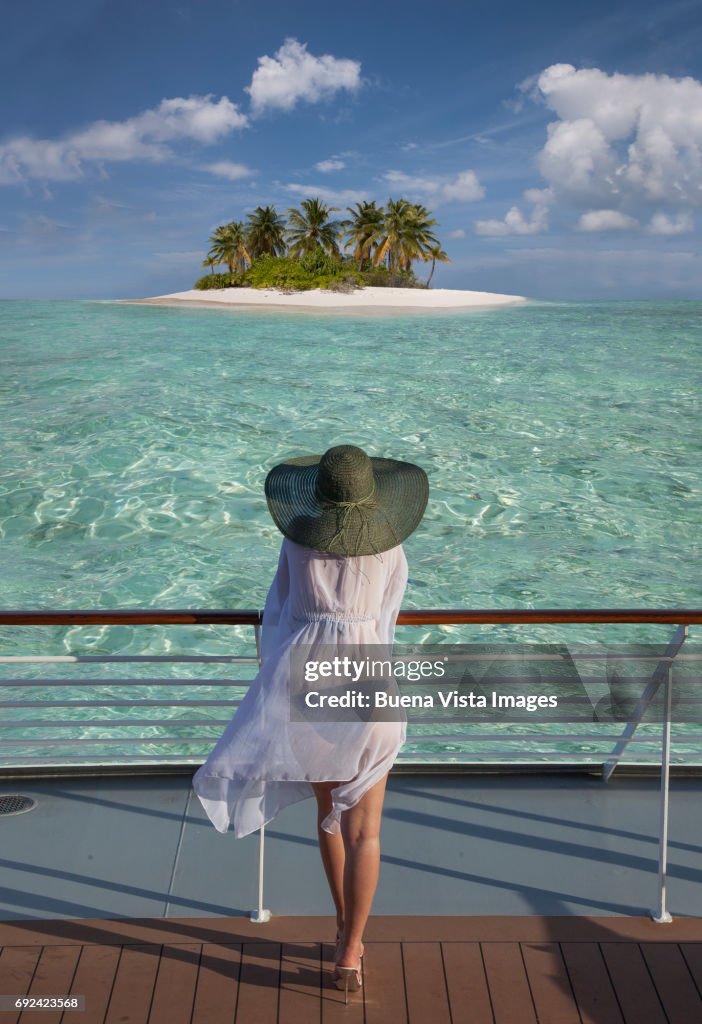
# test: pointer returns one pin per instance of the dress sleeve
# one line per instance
(275, 601)
(395, 587)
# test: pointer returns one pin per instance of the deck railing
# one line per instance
(613, 741)
(661, 676)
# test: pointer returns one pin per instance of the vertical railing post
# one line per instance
(260, 916)
(662, 916)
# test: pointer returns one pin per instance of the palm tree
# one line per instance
(437, 255)
(363, 230)
(266, 232)
(311, 229)
(210, 262)
(405, 235)
(228, 245)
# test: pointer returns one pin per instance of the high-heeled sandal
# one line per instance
(349, 979)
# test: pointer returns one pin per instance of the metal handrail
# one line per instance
(411, 617)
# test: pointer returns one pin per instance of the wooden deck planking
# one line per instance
(53, 976)
(300, 978)
(632, 982)
(259, 980)
(381, 928)
(132, 991)
(692, 954)
(592, 986)
(550, 985)
(507, 980)
(174, 990)
(384, 984)
(94, 977)
(425, 983)
(676, 989)
(17, 967)
(466, 983)
(591, 974)
(217, 983)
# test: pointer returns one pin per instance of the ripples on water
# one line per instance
(562, 444)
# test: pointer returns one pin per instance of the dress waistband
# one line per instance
(332, 617)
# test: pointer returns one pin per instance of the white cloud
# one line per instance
(196, 117)
(464, 187)
(622, 137)
(458, 233)
(515, 223)
(329, 195)
(606, 220)
(138, 138)
(330, 165)
(661, 224)
(228, 169)
(294, 74)
(620, 146)
(539, 196)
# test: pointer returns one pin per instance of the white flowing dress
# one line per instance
(264, 761)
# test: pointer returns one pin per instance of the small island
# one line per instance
(313, 261)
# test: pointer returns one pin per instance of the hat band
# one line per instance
(342, 504)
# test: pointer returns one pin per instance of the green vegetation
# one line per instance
(375, 246)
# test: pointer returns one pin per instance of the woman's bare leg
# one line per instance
(331, 848)
(360, 829)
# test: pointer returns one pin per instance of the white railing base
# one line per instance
(260, 916)
(663, 918)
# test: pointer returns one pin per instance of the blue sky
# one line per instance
(558, 146)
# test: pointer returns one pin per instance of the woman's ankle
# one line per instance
(350, 953)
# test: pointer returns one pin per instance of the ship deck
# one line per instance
(505, 898)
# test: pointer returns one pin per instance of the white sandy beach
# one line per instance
(363, 298)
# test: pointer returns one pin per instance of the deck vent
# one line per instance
(14, 803)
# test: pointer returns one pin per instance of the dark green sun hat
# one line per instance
(346, 502)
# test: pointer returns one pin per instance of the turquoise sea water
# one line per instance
(562, 443)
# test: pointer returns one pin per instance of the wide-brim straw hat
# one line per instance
(346, 502)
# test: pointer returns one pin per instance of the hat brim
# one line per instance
(401, 495)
